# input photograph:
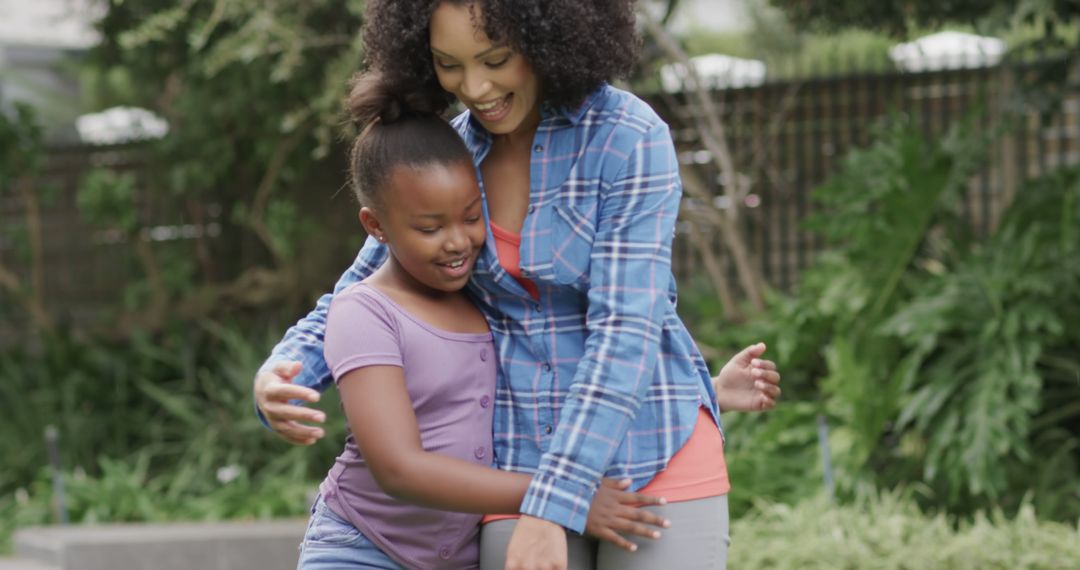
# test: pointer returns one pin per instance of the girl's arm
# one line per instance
(363, 348)
(381, 417)
(382, 421)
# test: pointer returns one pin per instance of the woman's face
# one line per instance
(495, 82)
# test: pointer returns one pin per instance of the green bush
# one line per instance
(161, 427)
(940, 359)
(891, 533)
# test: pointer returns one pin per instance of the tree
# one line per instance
(251, 91)
(900, 16)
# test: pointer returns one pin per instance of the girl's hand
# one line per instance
(614, 511)
(747, 382)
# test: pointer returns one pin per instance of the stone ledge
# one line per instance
(243, 545)
(24, 564)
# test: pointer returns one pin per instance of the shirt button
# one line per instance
(479, 452)
(444, 553)
(532, 208)
(485, 402)
(539, 148)
(539, 308)
(483, 354)
(547, 430)
(547, 367)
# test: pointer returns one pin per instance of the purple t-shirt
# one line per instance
(451, 381)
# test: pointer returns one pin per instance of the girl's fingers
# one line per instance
(637, 529)
(643, 516)
(616, 539)
(638, 498)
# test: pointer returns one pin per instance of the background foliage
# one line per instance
(941, 362)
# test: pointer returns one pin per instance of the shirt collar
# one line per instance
(572, 114)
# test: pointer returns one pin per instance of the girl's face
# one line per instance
(432, 219)
(495, 82)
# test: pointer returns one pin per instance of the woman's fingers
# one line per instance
(763, 364)
(273, 393)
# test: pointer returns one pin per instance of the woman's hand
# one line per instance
(614, 510)
(747, 382)
(273, 390)
(536, 544)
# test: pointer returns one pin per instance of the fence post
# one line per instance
(59, 503)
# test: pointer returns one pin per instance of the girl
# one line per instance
(415, 364)
(597, 375)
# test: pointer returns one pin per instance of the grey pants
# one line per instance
(698, 539)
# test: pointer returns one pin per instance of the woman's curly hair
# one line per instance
(573, 45)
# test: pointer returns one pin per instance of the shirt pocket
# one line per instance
(573, 229)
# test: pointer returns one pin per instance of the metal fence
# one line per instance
(788, 137)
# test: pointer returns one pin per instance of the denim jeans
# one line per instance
(332, 543)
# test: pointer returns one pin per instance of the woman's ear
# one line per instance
(371, 224)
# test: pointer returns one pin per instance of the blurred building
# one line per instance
(714, 71)
(948, 50)
(41, 42)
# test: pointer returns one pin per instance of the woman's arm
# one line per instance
(629, 279)
(296, 370)
(747, 383)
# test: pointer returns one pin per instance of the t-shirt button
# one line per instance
(485, 401)
(532, 208)
(547, 430)
(479, 452)
(444, 553)
(547, 367)
(483, 354)
(539, 148)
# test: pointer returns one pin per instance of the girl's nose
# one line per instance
(457, 240)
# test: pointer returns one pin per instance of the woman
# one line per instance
(597, 375)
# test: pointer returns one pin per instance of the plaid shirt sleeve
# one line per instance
(629, 275)
(303, 342)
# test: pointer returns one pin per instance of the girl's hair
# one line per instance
(397, 128)
(574, 46)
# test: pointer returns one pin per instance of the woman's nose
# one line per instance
(475, 85)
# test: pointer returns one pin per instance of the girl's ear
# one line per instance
(371, 224)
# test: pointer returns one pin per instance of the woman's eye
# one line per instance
(427, 230)
(445, 65)
(472, 220)
(497, 63)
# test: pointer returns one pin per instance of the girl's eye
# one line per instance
(444, 65)
(472, 220)
(498, 63)
(427, 230)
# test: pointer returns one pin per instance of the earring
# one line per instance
(381, 238)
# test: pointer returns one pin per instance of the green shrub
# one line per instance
(890, 533)
(160, 427)
(940, 359)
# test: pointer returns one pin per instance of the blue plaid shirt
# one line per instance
(599, 377)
